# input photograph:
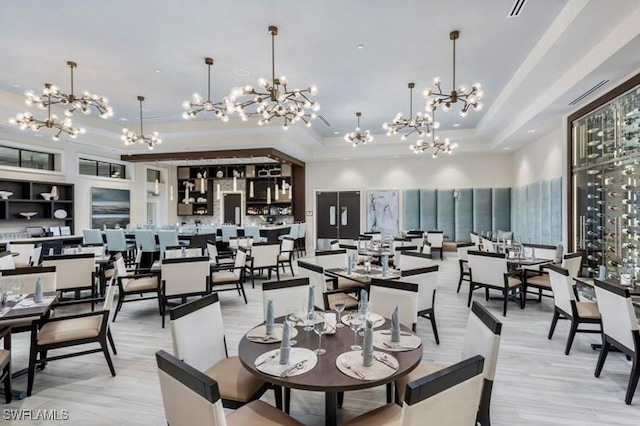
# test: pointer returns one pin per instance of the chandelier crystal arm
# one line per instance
(140, 99)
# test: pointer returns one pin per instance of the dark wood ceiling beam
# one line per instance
(212, 155)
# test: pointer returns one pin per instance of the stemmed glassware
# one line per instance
(356, 321)
(318, 327)
(307, 316)
(292, 319)
(339, 307)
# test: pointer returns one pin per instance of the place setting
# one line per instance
(395, 340)
(363, 308)
(362, 362)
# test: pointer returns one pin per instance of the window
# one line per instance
(16, 157)
(152, 175)
(101, 168)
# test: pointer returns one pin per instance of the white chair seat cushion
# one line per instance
(224, 277)
(284, 257)
(587, 310)
(4, 357)
(386, 415)
(260, 413)
(423, 369)
(347, 283)
(513, 282)
(69, 330)
(540, 281)
(348, 300)
(235, 382)
(141, 284)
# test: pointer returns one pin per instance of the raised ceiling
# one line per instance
(525, 63)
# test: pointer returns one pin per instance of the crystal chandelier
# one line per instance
(129, 137)
(435, 144)
(356, 138)
(197, 104)
(420, 124)
(272, 100)
(470, 97)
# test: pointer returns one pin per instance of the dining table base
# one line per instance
(331, 408)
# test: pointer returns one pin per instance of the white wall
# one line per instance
(69, 174)
(445, 172)
(545, 158)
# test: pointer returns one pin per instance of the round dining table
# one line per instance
(325, 376)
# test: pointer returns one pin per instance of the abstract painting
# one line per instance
(383, 211)
(110, 208)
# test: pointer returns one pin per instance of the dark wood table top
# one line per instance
(633, 290)
(359, 276)
(32, 311)
(325, 376)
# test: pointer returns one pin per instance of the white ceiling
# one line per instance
(526, 64)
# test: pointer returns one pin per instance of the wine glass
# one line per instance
(356, 320)
(339, 307)
(292, 319)
(307, 316)
(318, 327)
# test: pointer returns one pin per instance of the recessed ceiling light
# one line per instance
(456, 125)
(16, 86)
(124, 119)
(37, 135)
(242, 72)
(360, 46)
(336, 133)
(158, 70)
(506, 147)
(531, 131)
(345, 158)
(396, 156)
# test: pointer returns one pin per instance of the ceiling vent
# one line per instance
(588, 92)
(516, 9)
(324, 120)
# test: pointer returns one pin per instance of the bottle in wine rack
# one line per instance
(614, 208)
(628, 187)
(628, 202)
(630, 246)
(593, 258)
(628, 216)
(628, 171)
(592, 196)
(614, 194)
(613, 263)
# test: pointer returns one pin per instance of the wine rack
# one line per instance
(606, 184)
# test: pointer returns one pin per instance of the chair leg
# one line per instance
(163, 309)
(604, 351)
(291, 266)
(633, 380)
(244, 295)
(485, 402)
(523, 297)
(33, 355)
(432, 318)
(113, 345)
(107, 356)
(118, 306)
(486, 294)
(505, 292)
(554, 321)
(459, 283)
(572, 335)
(470, 294)
(277, 273)
(253, 279)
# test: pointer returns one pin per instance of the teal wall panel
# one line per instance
(482, 209)
(501, 209)
(411, 207)
(446, 213)
(464, 214)
(537, 212)
(428, 210)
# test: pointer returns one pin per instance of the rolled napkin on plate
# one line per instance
(270, 317)
(285, 346)
(310, 303)
(395, 326)
(385, 265)
(367, 345)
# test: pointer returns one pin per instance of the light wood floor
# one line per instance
(536, 384)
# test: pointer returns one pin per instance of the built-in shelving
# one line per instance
(27, 197)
